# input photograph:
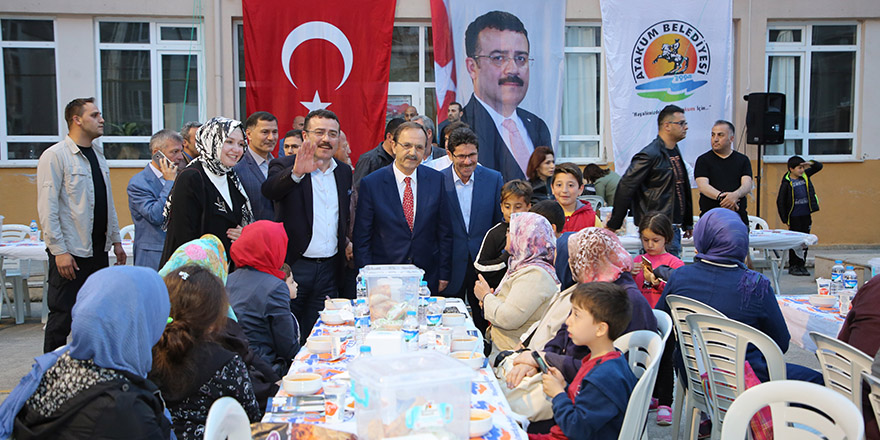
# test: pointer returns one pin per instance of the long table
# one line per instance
(801, 318)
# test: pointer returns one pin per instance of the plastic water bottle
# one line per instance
(837, 270)
(850, 279)
(361, 321)
(365, 352)
(424, 294)
(433, 314)
(35, 231)
(836, 287)
(411, 331)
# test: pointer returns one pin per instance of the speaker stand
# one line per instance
(760, 164)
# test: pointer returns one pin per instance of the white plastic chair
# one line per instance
(842, 366)
(723, 343)
(689, 401)
(799, 410)
(644, 349)
(664, 324)
(14, 232)
(227, 420)
(128, 232)
(874, 395)
(14, 274)
(596, 202)
(760, 257)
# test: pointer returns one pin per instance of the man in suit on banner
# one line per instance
(497, 47)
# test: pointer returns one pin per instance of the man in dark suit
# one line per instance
(453, 114)
(379, 157)
(312, 192)
(403, 214)
(261, 129)
(497, 47)
(147, 192)
(474, 194)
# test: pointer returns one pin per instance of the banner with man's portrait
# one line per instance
(508, 58)
(659, 55)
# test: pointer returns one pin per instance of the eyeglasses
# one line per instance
(465, 156)
(332, 134)
(679, 123)
(409, 146)
(500, 60)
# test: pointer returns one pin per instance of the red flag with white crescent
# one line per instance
(444, 57)
(302, 55)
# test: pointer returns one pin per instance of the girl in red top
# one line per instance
(655, 231)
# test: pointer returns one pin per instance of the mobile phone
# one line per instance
(647, 263)
(540, 361)
(158, 156)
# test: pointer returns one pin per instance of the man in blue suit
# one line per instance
(474, 193)
(403, 214)
(147, 192)
(261, 129)
(497, 48)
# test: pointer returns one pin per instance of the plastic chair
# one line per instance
(874, 395)
(227, 420)
(664, 324)
(596, 202)
(723, 343)
(690, 400)
(14, 232)
(14, 274)
(127, 232)
(760, 257)
(644, 349)
(799, 410)
(756, 223)
(842, 366)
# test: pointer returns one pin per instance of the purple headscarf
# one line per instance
(721, 237)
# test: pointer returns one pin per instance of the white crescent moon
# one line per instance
(316, 30)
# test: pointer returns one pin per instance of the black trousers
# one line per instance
(665, 384)
(467, 293)
(61, 296)
(316, 280)
(801, 223)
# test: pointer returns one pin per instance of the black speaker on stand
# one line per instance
(765, 125)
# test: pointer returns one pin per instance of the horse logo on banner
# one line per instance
(668, 60)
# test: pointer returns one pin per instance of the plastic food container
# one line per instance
(392, 289)
(421, 392)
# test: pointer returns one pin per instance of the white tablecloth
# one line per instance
(36, 250)
(778, 239)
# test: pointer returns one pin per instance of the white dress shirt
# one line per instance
(465, 193)
(157, 172)
(401, 186)
(325, 213)
(505, 135)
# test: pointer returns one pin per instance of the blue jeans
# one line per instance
(674, 247)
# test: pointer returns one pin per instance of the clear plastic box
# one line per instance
(421, 392)
(392, 289)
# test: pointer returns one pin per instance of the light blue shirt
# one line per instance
(263, 163)
(465, 193)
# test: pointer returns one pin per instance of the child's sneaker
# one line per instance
(655, 403)
(664, 415)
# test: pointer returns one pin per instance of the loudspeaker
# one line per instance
(765, 118)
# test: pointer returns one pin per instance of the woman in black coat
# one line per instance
(207, 197)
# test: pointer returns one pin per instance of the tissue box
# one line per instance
(385, 342)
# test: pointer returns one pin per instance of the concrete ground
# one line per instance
(19, 344)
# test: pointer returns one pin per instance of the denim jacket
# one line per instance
(66, 200)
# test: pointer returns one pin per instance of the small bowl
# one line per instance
(823, 300)
(319, 344)
(463, 343)
(481, 422)
(452, 319)
(301, 384)
(474, 361)
(337, 304)
(332, 317)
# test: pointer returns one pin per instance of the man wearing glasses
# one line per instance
(403, 214)
(497, 47)
(312, 191)
(657, 180)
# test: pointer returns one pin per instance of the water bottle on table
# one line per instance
(361, 320)
(850, 279)
(424, 294)
(433, 314)
(411, 331)
(34, 233)
(837, 271)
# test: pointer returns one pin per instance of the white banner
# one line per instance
(657, 56)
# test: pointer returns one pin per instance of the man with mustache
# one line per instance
(261, 129)
(312, 191)
(403, 214)
(497, 46)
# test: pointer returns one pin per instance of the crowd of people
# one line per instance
(238, 250)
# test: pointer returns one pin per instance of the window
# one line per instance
(815, 66)
(240, 83)
(29, 120)
(411, 79)
(581, 132)
(150, 78)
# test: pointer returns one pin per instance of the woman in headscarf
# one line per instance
(207, 197)
(259, 295)
(209, 253)
(191, 368)
(96, 386)
(523, 294)
(720, 279)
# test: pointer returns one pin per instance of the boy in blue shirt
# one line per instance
(594, 404)
(796, 202)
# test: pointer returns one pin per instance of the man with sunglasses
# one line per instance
(497, 47)
(657, 180)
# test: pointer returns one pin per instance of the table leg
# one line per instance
(776, 266)
(19, 287)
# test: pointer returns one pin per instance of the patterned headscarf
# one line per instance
(595, 254)
(532, 243)
(208, 252)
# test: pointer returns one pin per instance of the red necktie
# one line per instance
(408, 203)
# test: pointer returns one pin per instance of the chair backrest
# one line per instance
(842, 366)
(14, 232)
(874, 395)
(227, 419)
(797, 409)
(756, 223)
(680, 307)
(723, 343)
(596, 201)
(664, 324)
(644, 349)
(127, 231)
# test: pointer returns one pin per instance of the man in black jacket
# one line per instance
(657, 180)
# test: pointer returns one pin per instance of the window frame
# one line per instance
(404, 87)
(5, 138)
(240, 83)
(804, 49)
(599, 50)
(156, 48)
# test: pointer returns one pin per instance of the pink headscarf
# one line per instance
(532, 243)
(595, 254)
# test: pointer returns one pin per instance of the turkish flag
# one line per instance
(444, 57)
(304, 55)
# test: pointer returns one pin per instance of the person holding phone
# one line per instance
(147, 192)
(655, 231)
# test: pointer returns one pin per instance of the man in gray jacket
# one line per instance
(76, 214)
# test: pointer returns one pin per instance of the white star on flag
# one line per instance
(315, 104)
(443, 82)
